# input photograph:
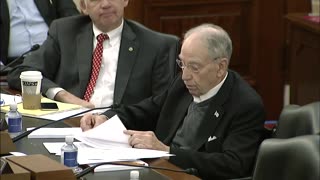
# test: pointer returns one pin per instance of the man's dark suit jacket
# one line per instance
(235, 117)
(49, 10)
(145, 66)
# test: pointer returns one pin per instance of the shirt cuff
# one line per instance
(52, 92)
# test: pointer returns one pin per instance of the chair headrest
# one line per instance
(294, 158)
(299, 120)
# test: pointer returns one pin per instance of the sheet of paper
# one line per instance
(107, 135)
(93, 155)
(14, 154)
(134, 153)
(63, 114)
(54, 132)
(7, 99)
(89, 155)
(55, 147)
(64, 110)
(106, 143)
(18, 153)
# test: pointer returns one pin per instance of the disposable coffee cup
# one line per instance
(31, 85)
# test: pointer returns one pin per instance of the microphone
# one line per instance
(191, 171)
(33, 48)
(26, 133)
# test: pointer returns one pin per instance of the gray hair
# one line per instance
(217, 40)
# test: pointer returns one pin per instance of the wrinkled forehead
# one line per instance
(194, 48)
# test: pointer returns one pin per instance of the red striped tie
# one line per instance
(96, 63)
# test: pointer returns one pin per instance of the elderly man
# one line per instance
(210, 118)
(101, 59)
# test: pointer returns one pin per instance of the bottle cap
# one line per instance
(134, 175)
(13, 106)
(69, 139)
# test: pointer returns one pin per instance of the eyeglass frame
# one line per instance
(189, 66)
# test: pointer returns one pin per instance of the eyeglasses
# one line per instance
(97, 1)
(195, 68)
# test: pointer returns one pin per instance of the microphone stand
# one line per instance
(26, 133)
(191, 171)
(33, 48)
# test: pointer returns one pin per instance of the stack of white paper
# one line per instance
(106, 143)
(107, 135)
(89, 155)
(55, 147)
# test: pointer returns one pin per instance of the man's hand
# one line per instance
(145, 140)
(89, 121)
(65, 96)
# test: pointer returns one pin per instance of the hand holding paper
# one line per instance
(89, 121)
(145, 140)
(107, 135)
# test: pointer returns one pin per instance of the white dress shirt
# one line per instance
(103, 92)
(210, 93)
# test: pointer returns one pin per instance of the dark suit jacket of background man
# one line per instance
(235, 117)
(143, 66)
(49, 11)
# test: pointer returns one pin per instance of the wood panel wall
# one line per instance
(176, 17)
(256, 27)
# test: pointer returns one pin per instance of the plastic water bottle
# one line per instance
(69, 155)
(14, 120)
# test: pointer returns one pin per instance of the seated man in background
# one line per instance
(25, 23)
(210, 118)
(101, 59)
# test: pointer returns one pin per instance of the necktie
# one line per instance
(96, 63)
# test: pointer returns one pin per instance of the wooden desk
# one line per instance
(35, 146)
(303, 41)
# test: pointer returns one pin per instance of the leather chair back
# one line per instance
(299, 120)
(295, 158)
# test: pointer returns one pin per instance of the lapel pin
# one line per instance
(130, 48)
(216, 114)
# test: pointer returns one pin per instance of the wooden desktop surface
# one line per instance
(35, 146)
(300, 20)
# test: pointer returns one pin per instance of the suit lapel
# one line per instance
(84, 56)
(4, 29)
(46, 10)
(209, 124)
(214, 113)
(129, 48)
